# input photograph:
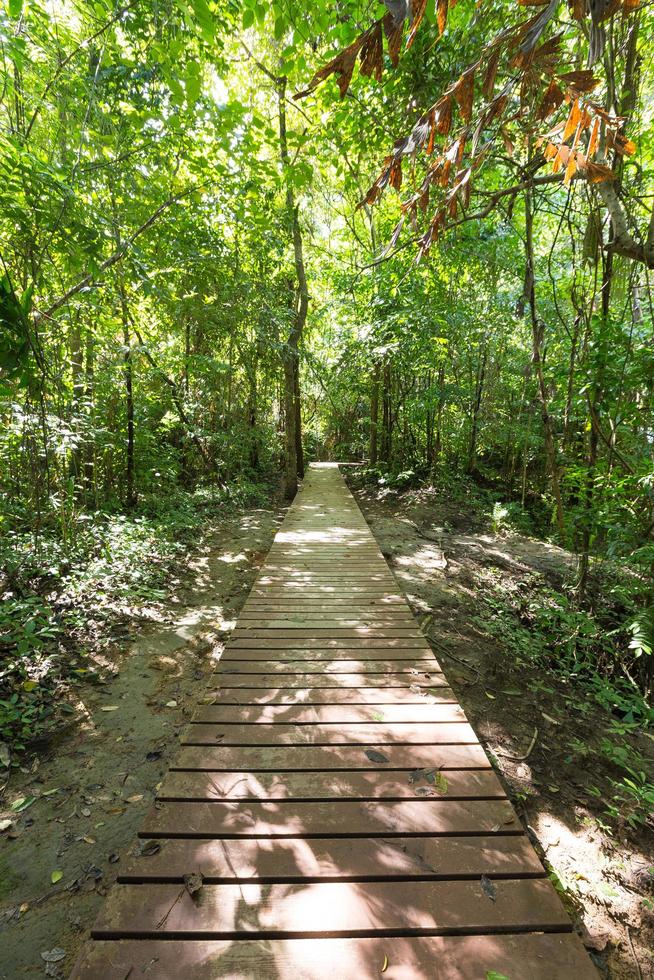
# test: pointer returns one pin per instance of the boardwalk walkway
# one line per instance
(337, 804)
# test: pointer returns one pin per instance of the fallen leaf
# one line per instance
(89, 840)
(5, 754)
(550, 719)
(53, 955)
(488, 888)
(136, 798)
(376, 756)
(25, 907)
(149, 849)
(171, 704)
(193, 882)
(417, 775)
(109, 707)
(56, 876)
(22, 803)
(5, 824)
(489, 695)
(440, 783)
(385, 965)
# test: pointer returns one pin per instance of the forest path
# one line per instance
(331, 812)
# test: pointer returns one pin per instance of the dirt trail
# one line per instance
(447, 563)
(93, 788)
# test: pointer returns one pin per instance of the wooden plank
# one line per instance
(326, 819)
(329, 656)
(343, 619)
(382, 601)
(319, 657)
(329, 695)
(364, 577)
(323, 758)
(414, 668)
(375, 733)
(327, 604)
(535, 956)
(329, 591)
(339, 859)
(355, 641)
(271, 714)
(409, 784)
(334, 626)
(329, 909)
(397, 682)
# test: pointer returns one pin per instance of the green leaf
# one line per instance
(248, 17)
(56, 876)
(15, 8)
(192, 83)
(205, 19)
(22, 803)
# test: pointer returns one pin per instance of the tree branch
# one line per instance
(624, 241)
(119, 254)
(67, 60)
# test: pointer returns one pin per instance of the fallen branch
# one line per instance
(521, 758)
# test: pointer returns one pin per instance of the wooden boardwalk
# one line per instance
(329, 790)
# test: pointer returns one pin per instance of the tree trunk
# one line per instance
(537, 334)
(89, 392)
(297, 402)
(479, 390)
(438, 439)
(387, 414)
(77, 379)
(294, 459)
(374, 412)
(128, 372)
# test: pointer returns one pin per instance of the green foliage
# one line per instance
(149, 283)
(543, 626)
(633, 800)
(61, 596)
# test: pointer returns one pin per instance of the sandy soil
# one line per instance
(444, 558)
(95, 785)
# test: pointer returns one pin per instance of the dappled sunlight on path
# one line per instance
(331, 812)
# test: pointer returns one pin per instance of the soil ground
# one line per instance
(446, 560)
(95, 784)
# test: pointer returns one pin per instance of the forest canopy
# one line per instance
(237, 237)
